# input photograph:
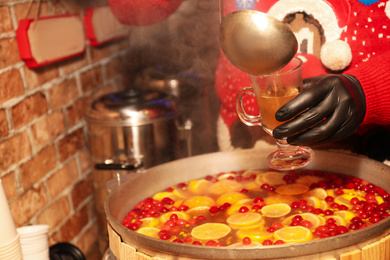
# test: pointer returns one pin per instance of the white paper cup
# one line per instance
(32, 231)
(7, 224)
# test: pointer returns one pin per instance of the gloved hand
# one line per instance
(330, 108)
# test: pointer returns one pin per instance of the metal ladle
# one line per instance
(256, 42)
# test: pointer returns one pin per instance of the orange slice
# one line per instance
(345, 214)
(164, 194)
(210, 231)
(340, 221)
(319, 193)
(198, 211)
(259, 179)
(345, 199)
(259, 225)
(292, 189)
(181, 193)
(231, 197)
(149, 231)
(225, 186)
(276, 210)
(313, 201)
(226, 175)
(244, 219)
(293, 234)
(181, 215)
(273, 198)
(197, 201)
(254, 234)
(309, 180)
(249, 173)
(150, 222)
(199, 187)
(274, 178)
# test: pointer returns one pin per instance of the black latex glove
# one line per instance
(332, 106)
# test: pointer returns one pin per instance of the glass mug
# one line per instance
(272, 91)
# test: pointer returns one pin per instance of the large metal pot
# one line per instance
(125, 197)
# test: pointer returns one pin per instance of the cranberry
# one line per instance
(173, 217)
(279, 242)
(210, 243)
(295, 205)
(165, 236)
(306, 224)
(329, 199)
(342, 229)
(271, 229)
(214, 209)
(375, 219)
(192, 221)
(187, 240)
(243, 209)
(133, 226)
(244, 191)
(267, 242)
(297, 218)
(264, 186)
(277, 225)
(183, 208)
(197, 243)
(178, 240)
(258, 199)
(246, 241)
(318, 211)
(200, 217)
(175, 230)
(328, 212)
(181, 222)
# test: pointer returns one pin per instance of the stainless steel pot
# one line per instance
(125, 197)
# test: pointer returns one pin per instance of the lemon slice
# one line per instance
(345, 214)
(244, 219)
(292, 189)
(313, 201)
(253, 244)
(316, 220)
(274, 178)
(197, 201)
(276, 210)
(323, 205)
(293, 234)
(210, 231)
(149, 231)
(198, 211)
(309, 180)
(199, 187)
(259, 179)
(225, 186)
(180, 215)
(340, 221)
(231, 197)
(164, 194)
(319, 193)
(254, 234)
(150, 222)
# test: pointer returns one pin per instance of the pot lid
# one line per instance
(131, 107)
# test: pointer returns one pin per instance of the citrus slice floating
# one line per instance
(225, 186)
(180, 215)
(309, 180)
(273, 198)
(150, 222)
(319, 193)
(345, 199)
(197, 201)
(250, 173)
(292, 189)
(149, 231)
(313, 201)
(164, 194)
(198, 211)
(244, 219)
(210, 231)
(295, 234)
(231, 197)
(345, 214)
(274, 178)
(276, 210)
(254, 234)
(226, 175)
(199, 187)
(259, 225)
(340, 221)
(180, 193)
(259, 179)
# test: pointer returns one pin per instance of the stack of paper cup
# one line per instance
(10, 247)
(34, 242)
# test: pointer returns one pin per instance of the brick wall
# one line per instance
(44, 159)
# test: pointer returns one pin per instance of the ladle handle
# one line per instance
(247, 119)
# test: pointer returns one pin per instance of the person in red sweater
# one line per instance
(345, 47)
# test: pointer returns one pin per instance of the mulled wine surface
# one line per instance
(260, 208)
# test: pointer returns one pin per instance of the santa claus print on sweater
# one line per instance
(334, 36)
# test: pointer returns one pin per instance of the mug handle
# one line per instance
(247, 119)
